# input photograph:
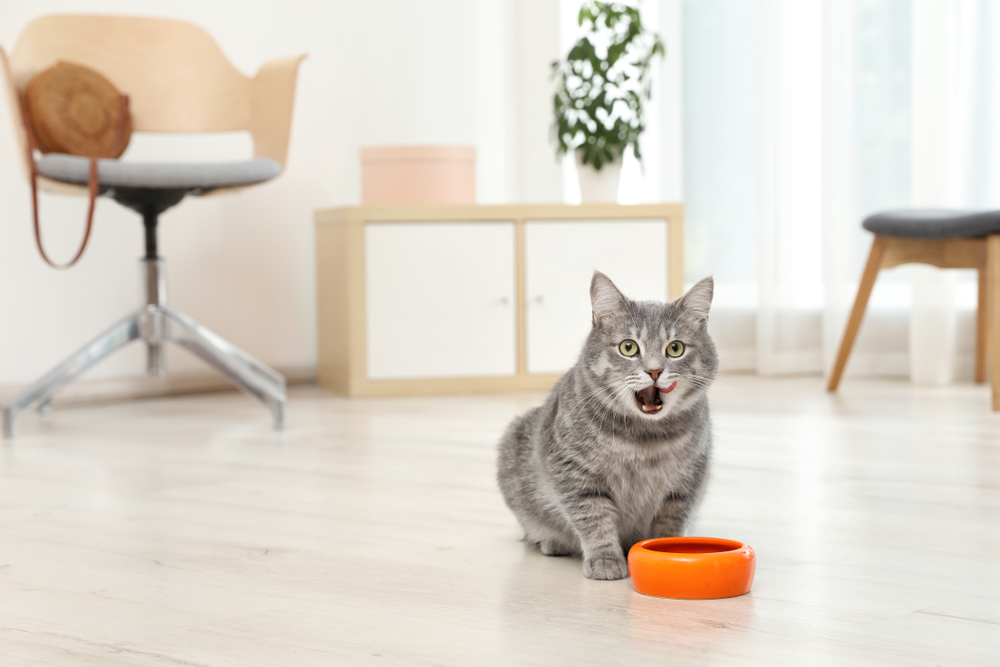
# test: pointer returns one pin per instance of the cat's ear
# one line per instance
(697, 302)
(605, 298)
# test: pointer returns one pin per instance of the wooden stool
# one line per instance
(946, 239)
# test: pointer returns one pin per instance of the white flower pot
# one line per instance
(598, 186)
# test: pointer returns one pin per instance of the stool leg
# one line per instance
(860, 303)
(993, 313)
(981, 319)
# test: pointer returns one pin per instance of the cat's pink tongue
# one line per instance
(673, 385)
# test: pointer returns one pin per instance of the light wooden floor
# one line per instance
(184, 532)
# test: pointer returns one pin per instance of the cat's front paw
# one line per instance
(605, 567)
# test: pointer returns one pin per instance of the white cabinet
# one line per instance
(560, 258)
(456, 299)
(440, 300)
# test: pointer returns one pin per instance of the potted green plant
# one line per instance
(602, 85)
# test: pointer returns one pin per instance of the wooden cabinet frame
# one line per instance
(340, 288)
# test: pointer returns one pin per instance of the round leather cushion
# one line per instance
(73, 109)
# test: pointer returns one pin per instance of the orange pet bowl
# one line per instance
(691, 568)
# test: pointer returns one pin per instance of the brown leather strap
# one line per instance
(93, 184)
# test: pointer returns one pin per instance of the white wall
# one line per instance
(378, 72)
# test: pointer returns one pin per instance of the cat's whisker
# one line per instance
(697, 380)
(608, 405)
(700, 382)
(612, 389)
(609, 410)
(597, 394)
(619, 396)
(600, 389)
(613, 400)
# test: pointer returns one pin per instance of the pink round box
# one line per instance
(418, 175)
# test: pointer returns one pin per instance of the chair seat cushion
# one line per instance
(167, 175)
(933, 223)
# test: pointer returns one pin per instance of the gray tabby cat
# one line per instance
(619, 451)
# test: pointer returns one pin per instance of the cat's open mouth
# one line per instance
(648, 399)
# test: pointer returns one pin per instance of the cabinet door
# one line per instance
(440, 299)
(560, 258)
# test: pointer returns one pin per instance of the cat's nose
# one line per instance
(655, 373)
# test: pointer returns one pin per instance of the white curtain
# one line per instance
(800, 118)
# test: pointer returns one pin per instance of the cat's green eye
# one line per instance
(675, 349)
(629, 348)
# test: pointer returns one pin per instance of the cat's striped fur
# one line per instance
(615, 455)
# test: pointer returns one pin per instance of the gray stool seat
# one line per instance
(933, 223)
(947, 239)
(158, 175)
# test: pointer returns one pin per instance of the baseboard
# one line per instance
(123, 388)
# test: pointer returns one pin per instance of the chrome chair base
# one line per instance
(155, 324)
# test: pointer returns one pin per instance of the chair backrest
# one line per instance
(175, 75)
